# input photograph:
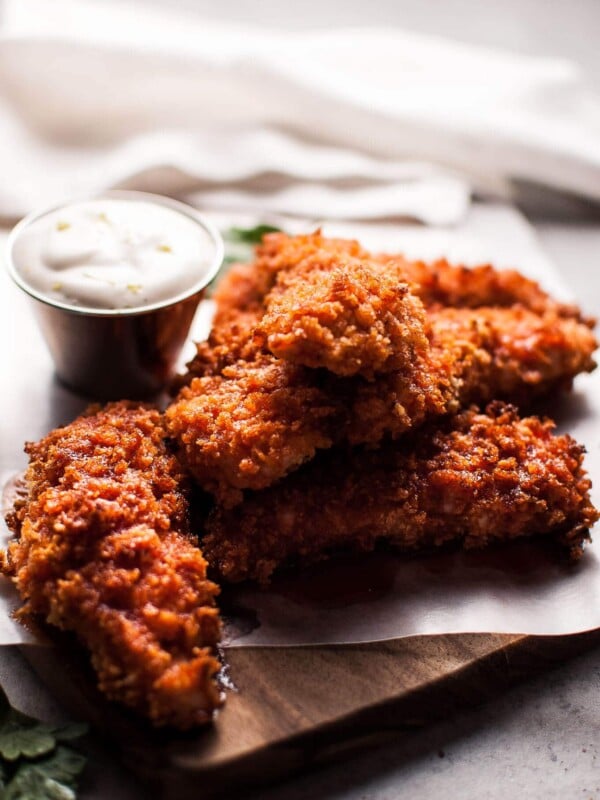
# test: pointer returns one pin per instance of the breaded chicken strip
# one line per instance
(252, 424)
(279, 252)
(437, 283)
(480, 479)
(336, 312)
(250, 418)
(104, 550)
(242, 293)
(257, 421)
(530, 354)
(477, 355)
(231, 339)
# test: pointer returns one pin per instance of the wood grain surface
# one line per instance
(293, 706)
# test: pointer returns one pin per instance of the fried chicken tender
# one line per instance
(318, 343)
(231, 339)
(442, 284)
(335, 312)
(529, 354)
(477, 355)
(246, 425)
(279, 252)
(103, 549)
(252, 424)
(240, 299)
(257, 421)
(241, 295)
(479, 479)
(438, 283)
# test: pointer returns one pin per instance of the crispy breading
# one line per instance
(531, 354)
(477, 355)
(279, 252)
(231, 339)
(440, 283)
(252, 424)
(336, 312)
(242, 293)
(476, 480)
(250, 417)
(103, 549)
(257, 421)
(436, 283)
(244, 286)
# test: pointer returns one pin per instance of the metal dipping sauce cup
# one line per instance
(110, 354)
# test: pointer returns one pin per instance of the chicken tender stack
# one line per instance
(477, 479)
(317, 343)
(320, 350)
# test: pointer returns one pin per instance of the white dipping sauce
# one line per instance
(113, 254)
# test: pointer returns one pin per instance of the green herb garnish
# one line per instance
(35, 762)
(250, 235)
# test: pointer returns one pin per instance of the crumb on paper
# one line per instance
(61, 225)
(164, 248)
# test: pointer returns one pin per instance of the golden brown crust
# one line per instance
(479, 479)
(336, 312)
(240, 299)
(252, 424)
(279, 252)
(257, 421)
(250, 418)
(440, 283)
(104, 550)
(241, 294)
(437, 283)
(525, 354)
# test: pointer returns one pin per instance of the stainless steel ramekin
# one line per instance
(119, 353)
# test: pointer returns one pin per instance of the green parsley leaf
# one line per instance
(33, 765)
(30, 741)
(63, 766)
(50, 778)
(31, 784)
(250, 235)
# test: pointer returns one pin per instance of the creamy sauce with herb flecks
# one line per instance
(113, 253)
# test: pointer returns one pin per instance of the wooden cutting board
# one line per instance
(292, 706)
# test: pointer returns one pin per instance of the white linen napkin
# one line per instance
(346, 124)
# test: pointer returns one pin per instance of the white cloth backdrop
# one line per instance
(347, 124)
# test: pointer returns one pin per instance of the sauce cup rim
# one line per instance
(128, 194)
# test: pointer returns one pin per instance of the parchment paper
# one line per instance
(523, 588)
